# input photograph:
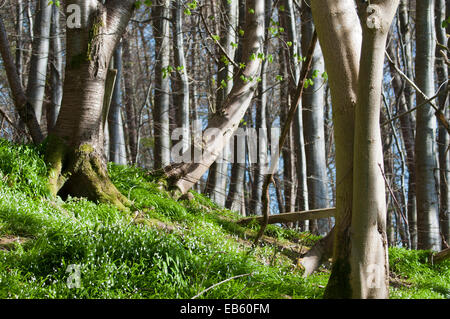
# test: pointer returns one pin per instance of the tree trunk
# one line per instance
(259, 168)
(369, 247)
(443, 137)
(39, 58)
(77, 166)
(132, 119)
(313, 128)
(23, 106)
(160, 13)
(425, 145)
(223, 124)
(117, 150)
(408, 128)
(56, 70)
(19, 38)
(340, 39)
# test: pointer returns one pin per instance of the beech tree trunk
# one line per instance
(313, 128)
(161, 25)
(223, 124)
(425, 144)
(131, 118)
(117, 150)
(56, 67)
(369, 246)
(340, 35)
(443, 137)
(39, 57)
(77, 166)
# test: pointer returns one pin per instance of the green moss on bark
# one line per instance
(339, 286)
(81, 173)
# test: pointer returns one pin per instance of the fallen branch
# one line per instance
(285, 218)
(441, 256)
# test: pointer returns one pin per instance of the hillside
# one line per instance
(160, 249)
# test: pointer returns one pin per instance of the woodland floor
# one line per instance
(162, 248)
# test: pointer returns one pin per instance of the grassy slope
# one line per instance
(163, 249)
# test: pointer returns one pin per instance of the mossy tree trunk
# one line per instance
(75, 148)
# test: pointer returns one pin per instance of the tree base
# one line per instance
(81, 172)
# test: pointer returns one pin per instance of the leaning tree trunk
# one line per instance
(369, 247)
(222, 125)
(339, 34)
(39, 57)
(425, 146)
(77, 166)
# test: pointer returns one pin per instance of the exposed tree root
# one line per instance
(318, 254)
(81, 172)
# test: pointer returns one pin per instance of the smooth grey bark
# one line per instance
(132, 120)
(313, 128)
(408, 122)
(369, 247)
(117, 150)
(425, 143)
(39, 57)
(339, 34)
(181, 83)
(258, 168)
(443, 137)
(19, 38)
(56, 67)
(161, 26)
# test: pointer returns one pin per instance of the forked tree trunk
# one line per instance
(77, 166)
(223, 124)
(339, 34)
(369, 247)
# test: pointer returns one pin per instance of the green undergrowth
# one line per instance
(162, 248)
